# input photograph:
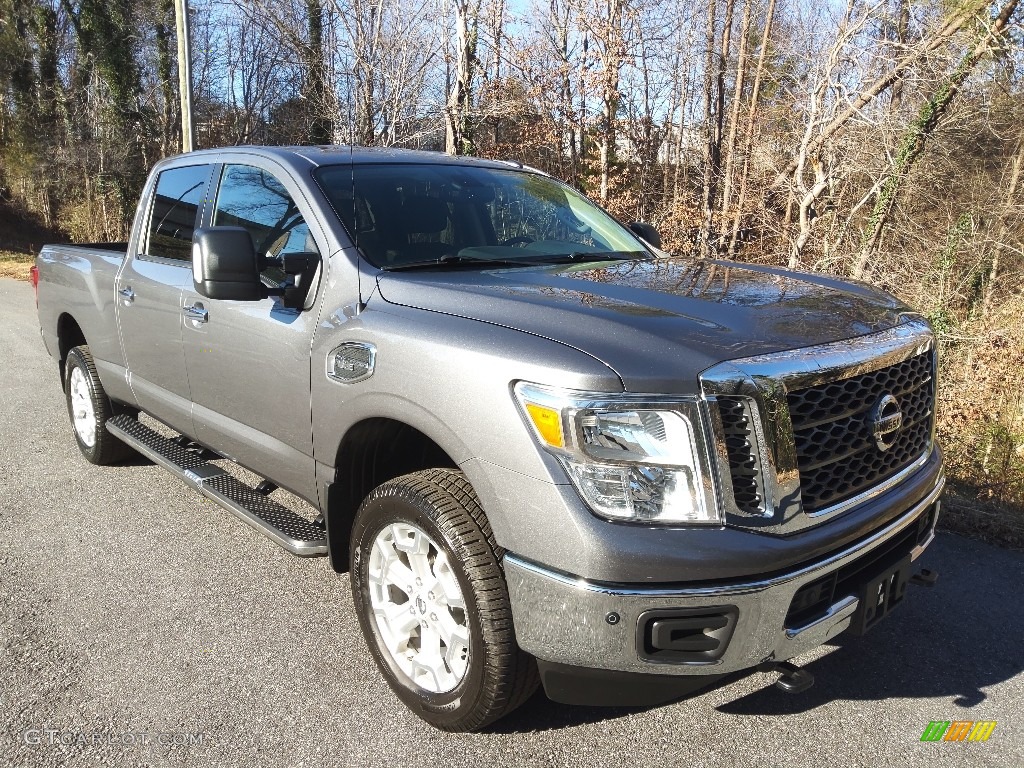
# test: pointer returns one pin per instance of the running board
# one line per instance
(293, 532)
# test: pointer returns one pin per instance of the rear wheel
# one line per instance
(89, 408)
(432, 601)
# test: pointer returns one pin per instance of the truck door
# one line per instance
(149, 294)
(248, 361)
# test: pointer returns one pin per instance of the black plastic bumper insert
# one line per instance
(682, 635)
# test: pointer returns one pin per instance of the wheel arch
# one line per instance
(373, 451)
(69, 336)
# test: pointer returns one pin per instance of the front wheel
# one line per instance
(432, 601)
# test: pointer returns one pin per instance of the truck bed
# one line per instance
(76, 285)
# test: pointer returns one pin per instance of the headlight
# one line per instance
(633, 458)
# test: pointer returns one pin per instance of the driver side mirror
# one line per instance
(647, 232)
(225, 265)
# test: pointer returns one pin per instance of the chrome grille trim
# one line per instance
(744, 447)
(876, 490)
(766, 381)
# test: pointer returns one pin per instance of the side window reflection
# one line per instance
(255, 199)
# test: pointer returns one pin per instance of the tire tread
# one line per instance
(511, 676)
(107, 449)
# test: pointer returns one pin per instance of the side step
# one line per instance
(293, 532)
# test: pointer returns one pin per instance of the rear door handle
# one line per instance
(196, 313)
(127, 294)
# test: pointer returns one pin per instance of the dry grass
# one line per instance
(16, 265)
(981, 426)
(22, 234)
(1001, 525)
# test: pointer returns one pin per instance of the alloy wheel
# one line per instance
(418, 607)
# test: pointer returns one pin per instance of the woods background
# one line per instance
(882, 141)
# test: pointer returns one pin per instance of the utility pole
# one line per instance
(184, 72)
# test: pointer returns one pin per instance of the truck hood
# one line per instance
(657, 324)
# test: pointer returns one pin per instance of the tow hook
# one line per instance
(926, 578)
(792, 679)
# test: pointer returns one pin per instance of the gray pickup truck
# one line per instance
(546, 451)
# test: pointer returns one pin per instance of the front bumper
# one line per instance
(571, 621)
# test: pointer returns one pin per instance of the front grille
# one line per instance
(832, 425)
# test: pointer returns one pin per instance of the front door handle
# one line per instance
(127, 294)
(196, 313)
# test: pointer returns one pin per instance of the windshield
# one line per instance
(412, 214)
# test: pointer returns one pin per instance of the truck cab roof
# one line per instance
(335, 154)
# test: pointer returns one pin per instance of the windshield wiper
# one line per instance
(564, 258)
(534, 260)
(456, 261)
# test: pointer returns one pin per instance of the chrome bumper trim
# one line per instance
(845, 607)
(734, 589)
(561, 618)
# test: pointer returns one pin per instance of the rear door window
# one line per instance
(179, 194)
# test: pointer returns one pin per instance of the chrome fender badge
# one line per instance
(351, 362)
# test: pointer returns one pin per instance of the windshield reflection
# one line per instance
(416, 214)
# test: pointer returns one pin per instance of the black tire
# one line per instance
(105, 449)
(499, 676)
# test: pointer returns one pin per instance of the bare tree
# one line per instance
(867, 94)
(913, 142)
(609, 36)
(729, 160)
(459, 130)
(748, 135)
(711, 148)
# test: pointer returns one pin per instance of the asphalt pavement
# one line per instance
(142, 625)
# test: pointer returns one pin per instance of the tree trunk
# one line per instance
(806, 218)
(459, 133)
(565, 109)
(166, 72)
(748, 136)
(612, 57)
(366, 44)
(902, 27)
(801, 195)
(496, 22)
(1006, 221)
(710, 152)
(320, 125)
(670, 131)
(44, 25)
(734, 119)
